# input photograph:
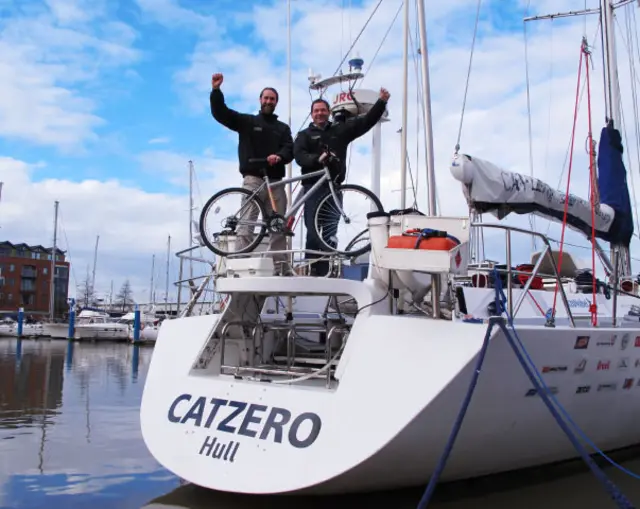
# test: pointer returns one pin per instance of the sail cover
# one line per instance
(612, 183)
(489, 188)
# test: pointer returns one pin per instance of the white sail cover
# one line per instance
(488, 188)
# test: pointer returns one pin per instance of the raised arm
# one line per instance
(219, 110)
(358, 126)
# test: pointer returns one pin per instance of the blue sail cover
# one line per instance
(612, 184)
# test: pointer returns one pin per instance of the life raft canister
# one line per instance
(427, 238)
(536, 284)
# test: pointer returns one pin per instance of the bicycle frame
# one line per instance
(324, 175)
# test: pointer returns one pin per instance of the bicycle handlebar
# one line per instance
(326, 157)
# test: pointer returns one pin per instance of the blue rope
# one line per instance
(424, 501)
(615, 493)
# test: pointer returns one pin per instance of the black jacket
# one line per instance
(259, 136)
(336, 135)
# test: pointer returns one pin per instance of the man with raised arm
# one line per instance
(259, 136)
(308, 149)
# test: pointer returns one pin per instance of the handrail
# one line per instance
(510, 272)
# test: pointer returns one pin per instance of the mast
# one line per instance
(611, 87)
(95, 262)
(190, 218)
(620, 255)
(428, 130)
(54, 250)
(405, 105)
(166, 287)
(153, 268)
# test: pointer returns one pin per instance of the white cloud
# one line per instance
(44, 63)
(159, 140)
(70, 11)
(132, 224)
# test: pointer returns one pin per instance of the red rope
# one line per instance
(594, 307)
(566, 201)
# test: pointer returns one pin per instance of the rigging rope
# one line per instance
(466, 87)
(566, 202)
(585, 53)
(532, 222)
(593, 308)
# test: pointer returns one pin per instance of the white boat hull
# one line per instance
(56, 330)
(401, 383)
(102, 332)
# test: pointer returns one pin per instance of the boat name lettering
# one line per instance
(246, 419)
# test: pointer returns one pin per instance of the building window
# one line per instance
(45, 271)
(12, 267)
(10, 297)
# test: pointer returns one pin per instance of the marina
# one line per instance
(70, 438)
(315, 340)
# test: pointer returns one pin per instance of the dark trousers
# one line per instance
(329, 218)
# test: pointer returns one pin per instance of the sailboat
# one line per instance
(365, 398)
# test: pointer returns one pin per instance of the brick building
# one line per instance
(26, 279)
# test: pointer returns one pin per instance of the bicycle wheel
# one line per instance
(327, 219)
(238, 213)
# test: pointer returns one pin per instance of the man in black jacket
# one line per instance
(308, 148)
(259, 136)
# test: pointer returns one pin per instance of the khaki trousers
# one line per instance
(277, 241)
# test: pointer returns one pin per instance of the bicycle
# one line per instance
(252, 207)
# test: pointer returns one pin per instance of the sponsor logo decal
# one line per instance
(607, 340)
(628, 383)
(582, 343)
(624, 342)
(603, 365)
(578, 303)
(623, 363)
(637, 342)
(583, 389)
(534, 391)
(607, 387)
(581, 366)
(554, 369)
(637, 365)
(228, 419)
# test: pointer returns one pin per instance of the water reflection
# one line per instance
(70, 438)
(69, 426)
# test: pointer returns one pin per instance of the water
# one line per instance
(70, 438)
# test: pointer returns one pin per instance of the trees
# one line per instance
(86, 294)
(124, 298)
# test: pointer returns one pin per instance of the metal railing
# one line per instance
(291, 370)
(547, 252)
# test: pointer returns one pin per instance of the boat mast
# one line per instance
(166, 281)
(428, 127)
(153, 269)
(52, 284)
(190, 218)
(95, 262)
(620, 255)
(405, 106)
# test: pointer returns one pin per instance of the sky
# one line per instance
(104, 103)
